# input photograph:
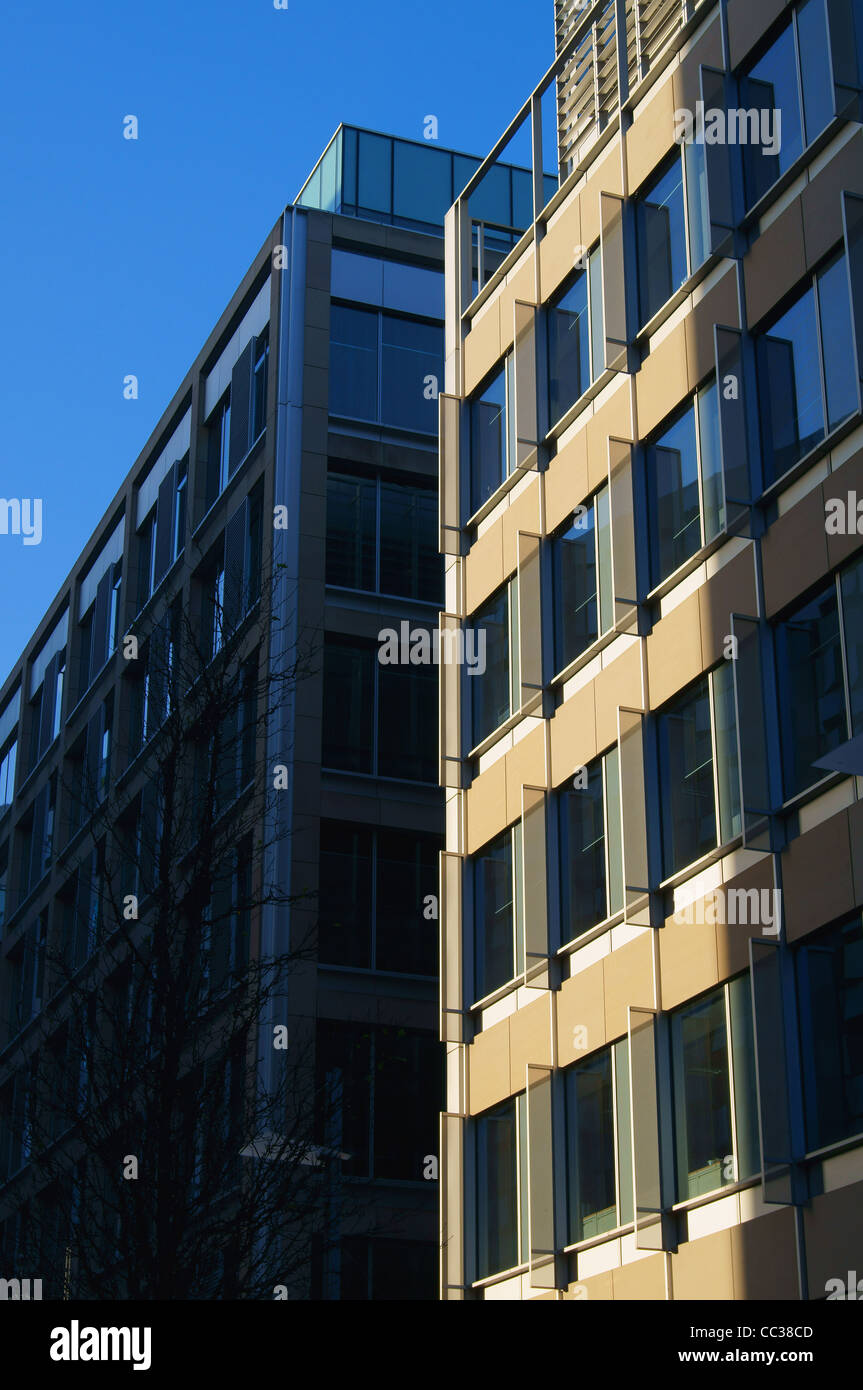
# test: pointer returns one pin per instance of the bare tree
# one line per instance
(181, 1144)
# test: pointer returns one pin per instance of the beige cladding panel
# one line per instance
(488, 1068)
(557, 250)
(529, 1040)
(523, 514)
(686, 79)
(775, 262)
(732, 942)
(486, 806)
(821, 200)
(720, 306)
(573, 735)
(764, 1258)
(687, 956)
(794, 551)
(642, 1280)
(848, 478)
(581, 1015)
(855, 836)
(817, 878)
(565, 481)
(482, 347)
(520, 284)
(525, 767)
(616, 685)
(483, 567)
(747, 22)
(833, 1224)
(612, 420)
(651, 134)
(628, 979)
(663, 381)
(730, 590)
(674, 651)
(599, 1288)
(703, 1269)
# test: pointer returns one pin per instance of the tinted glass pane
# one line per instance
(814, 67)
(410, 563)
(811, 690)
(568, 349)
(686, 773)
(672, 479)
(837, 342)
(408, 1100)
(497, 1190)
(575, 589)
(351, 522)
(789, 380)
(696, 203)
(727, 771)
(711, 461)
(830, 985)
(407, 722)
(407, 873)
(590, 1147)
(353, 362)
(702, 1097)
(490, 690)
(488, 440)
(597, 323)
(345, 896)
(661, 230)
(745, 1089)
(583, 855)
(411, 354)
(422, 184)
(343, 1093)
(493, 905)
(348, 737)
(374, 172)
(772, 85)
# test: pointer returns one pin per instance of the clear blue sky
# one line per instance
(118, 256)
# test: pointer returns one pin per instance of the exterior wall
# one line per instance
(728, 1245)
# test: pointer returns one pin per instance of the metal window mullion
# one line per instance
(713, 752)
(615, 1132)
(376, 693)
(378, 534)
(732, 1099)
(813, 279)
(374, 903)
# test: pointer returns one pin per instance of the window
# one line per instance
(806, 377)
(715, 1099)
(591, 848)
(378, 719)
(599, 1143)
(162, 535)
(814, 714)
(259, 386)
(372, 905)
(498, 925)
(685, 492)
(180, 504)
(219, 444)
(379, 1095)
(501, 1187)
(582, 580)
(378, 1269)
(380, 365)
(495, 693)
(46, 708)
(793, 82)
(382, 537)
(492, 429)
(698, 773)
(671, 230)
(4, 882)
(7, 775)
(575, 338)
(830, 999)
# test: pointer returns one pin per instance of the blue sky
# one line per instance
(117, 256)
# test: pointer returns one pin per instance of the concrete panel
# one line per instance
(573, 735)
(529, 1040)
(617, 684)
(613, 419)
(525, 766)
(482, 347)
(821, 201)
(687, 957)
(848, 478)
(732, 942)
(794, 551)
(521, 515)
(598, 1289)
(719, 305)
(643, 1279)
(764, 1258)
(565, 481)
(730, 590)
(486, 806)
(651, 134)
(521, 284)
(558, 247)
(483, 566)
(833, 1226)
